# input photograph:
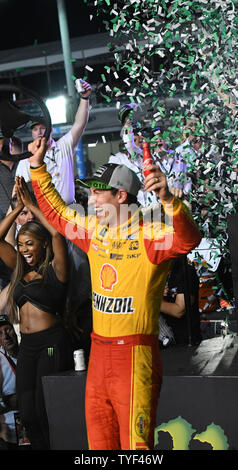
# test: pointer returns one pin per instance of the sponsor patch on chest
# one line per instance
(113, 305)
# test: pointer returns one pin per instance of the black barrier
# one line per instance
(195, 412)
(64, 399)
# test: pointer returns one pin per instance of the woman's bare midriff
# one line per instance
(32, 319)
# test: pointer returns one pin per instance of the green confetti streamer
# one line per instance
(190, 52)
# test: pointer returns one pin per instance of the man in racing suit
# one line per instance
(129, 259)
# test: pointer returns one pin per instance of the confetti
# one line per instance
(93, 144)
(178, 59)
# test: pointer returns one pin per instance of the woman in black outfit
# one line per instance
(36, 297)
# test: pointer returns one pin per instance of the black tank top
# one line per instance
(48, 295)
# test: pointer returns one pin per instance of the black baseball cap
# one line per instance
(36, 122)
(110, 176)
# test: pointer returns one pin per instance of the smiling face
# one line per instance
(138, 139)
(105, 204)
(31, 249)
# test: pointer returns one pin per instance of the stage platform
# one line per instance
(198, 402)
(214, 356)
(197, 408)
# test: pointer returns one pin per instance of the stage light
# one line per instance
(57, 109)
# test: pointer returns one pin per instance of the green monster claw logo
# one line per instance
(181, 432)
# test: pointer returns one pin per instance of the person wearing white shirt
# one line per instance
(136, 165)
(131, 155)
(189, 150)
(192, 141)
(59, 157)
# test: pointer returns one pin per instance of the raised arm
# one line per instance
(157, 181)
(183, 235)
(82, 114)
(3, 298)
(7, 252)
(60, 261)
(38, 149)
(10, 236)
(175, 309)
(64, 219)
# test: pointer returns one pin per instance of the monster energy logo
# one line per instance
(182, 432)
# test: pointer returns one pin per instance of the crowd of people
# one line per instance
(112, 282)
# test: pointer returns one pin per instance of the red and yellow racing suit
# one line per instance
(129, 266)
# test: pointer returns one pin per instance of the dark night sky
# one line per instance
(26, 22)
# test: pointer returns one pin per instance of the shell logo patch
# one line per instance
(141, 424)
(108, 276)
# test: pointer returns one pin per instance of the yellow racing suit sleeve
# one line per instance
(66, 220)
(177, 236)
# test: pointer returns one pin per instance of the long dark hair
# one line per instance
(39, 232)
